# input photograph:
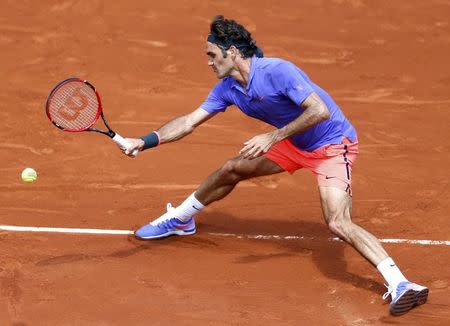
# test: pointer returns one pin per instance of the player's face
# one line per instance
(221, 66)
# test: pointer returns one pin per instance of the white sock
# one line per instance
(189, 208)
(391, 272)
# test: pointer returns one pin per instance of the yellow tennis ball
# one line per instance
(29, 175)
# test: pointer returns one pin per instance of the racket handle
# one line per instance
(124, 144)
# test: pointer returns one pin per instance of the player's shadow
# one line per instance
(327, 255)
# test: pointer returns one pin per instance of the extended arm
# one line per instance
(315, 111)
(182, 125)
(173, 130)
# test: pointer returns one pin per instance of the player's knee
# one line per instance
(230, 171)
(340, 227)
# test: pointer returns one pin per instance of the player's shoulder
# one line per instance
(268, 63)
(224, 83)
(276, 66)
(222, 87)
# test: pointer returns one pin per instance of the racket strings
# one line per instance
(74, 106)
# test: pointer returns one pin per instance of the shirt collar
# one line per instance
(253, 65)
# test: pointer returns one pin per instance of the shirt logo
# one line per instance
(260, 98)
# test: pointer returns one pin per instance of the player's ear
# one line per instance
(233, 52)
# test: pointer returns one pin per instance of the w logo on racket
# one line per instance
(73, 105)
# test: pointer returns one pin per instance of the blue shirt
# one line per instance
(274, 92)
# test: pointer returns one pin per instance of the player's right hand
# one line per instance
(136, 145)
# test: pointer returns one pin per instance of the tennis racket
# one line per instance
(74, 105)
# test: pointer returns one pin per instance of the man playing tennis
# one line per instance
(310, 131)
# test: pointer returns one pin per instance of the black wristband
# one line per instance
(150, 140)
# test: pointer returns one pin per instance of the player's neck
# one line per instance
(241, 71)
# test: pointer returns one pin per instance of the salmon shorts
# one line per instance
(331, 164)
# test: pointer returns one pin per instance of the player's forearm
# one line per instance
(309, 118)
(171, 131)
(175, 129)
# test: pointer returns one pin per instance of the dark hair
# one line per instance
(228, 31)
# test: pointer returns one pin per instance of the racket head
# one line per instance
(73, 105)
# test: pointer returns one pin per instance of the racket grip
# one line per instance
(124, 144)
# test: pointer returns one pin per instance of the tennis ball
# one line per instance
(29, 175)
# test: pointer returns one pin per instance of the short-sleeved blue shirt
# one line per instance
(274, 92)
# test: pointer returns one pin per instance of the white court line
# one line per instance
(296, 237)
(61, 230)
(233, 235)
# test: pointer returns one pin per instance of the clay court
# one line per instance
(263, 255)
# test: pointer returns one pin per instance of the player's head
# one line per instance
(226, 41)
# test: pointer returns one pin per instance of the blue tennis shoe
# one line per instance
(407, 295)
(165, 226)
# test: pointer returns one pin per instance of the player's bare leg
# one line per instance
(180, 220)
(222, 182)
(337, 211)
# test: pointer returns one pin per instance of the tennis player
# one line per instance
(309, 131)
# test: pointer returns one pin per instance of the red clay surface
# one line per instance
(385, 63)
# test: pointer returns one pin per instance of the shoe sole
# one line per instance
(422, 296)
(164, 235)
(409, 300)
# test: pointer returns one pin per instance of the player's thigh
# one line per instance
(336, 204)
(257, 167)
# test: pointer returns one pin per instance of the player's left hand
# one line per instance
(258, 145)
